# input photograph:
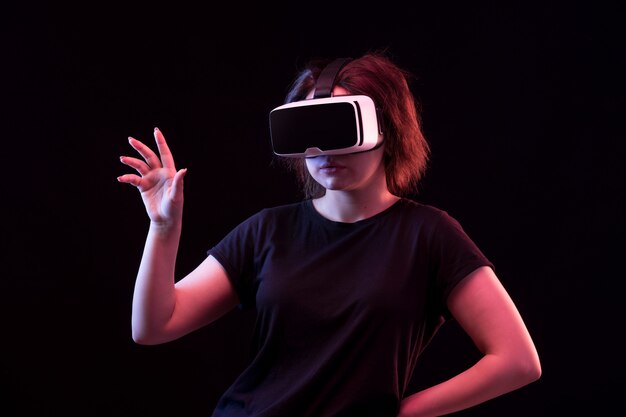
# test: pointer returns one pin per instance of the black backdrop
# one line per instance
(523, 107)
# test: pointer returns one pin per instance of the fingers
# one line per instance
(131, 179)
(151, 161)
(139, 165)
(166, 156)
(148, 154)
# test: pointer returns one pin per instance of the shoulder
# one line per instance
(416, 206)
(420, 211)
(282, 210)
(427, 219)
(279, 213)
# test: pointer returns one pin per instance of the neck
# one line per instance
(352, 206)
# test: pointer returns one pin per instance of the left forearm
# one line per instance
(488, 378)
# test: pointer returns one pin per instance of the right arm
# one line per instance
(162, 309)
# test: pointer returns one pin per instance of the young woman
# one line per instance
(349, 285)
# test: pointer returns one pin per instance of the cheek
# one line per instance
(368, 162)
(310, 166)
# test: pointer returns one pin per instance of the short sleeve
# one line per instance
(455, 254)
(236, 253)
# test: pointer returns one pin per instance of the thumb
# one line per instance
(177, 185)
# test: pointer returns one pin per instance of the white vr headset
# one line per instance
(326, 125)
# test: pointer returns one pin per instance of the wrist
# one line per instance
(165, 229)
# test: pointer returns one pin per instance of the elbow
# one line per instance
(142, 338)
(146, 331)
(147, 339)
(534, 371)
(146, 335)
(528, 368)
(534, 365)
(150, 335)
(530, 373)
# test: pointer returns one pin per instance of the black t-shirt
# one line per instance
(343, 309)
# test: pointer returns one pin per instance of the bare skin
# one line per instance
(356, 189)
(162, 309)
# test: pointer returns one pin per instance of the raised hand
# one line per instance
(160, 184)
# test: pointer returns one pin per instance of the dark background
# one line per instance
(523, 106)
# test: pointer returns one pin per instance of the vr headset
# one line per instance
(325, 124)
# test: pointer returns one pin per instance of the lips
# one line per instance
(331, 169)
(331, 166)
(327, 165)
